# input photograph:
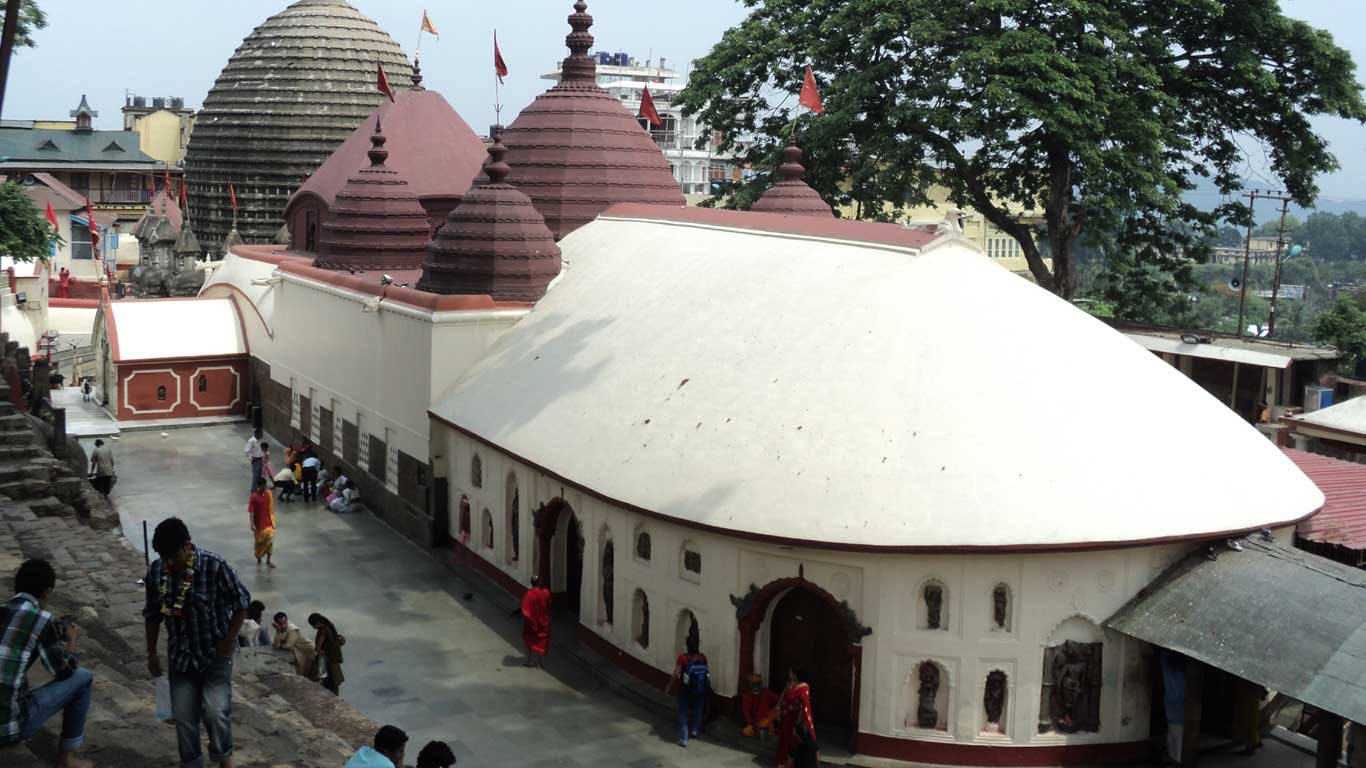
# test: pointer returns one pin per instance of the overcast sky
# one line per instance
(177, 47)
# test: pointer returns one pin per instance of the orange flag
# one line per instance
(51, 216)
(427, 25)
(232, 197)
(184, 205)
(383, 84)
(811, 98)
(647, 108)
(500, 67)
(94, 228)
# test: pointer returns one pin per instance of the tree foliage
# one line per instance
(31, 19)
(24, 234)
(1343, 326)
(1098, 113)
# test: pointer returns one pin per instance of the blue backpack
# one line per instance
(695, 675)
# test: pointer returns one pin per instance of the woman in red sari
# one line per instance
(796, 710)
(536, 622)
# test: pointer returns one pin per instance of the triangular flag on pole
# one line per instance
(51, 216)
(500, 67)
(647, 108)
(383, 84)
(184, 204)
(166, 178)
(94, 229)
(232, 197)
(811, 98)
(427, 25)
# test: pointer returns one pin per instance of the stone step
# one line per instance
(10, 452)
(50, 507)
(25, 490)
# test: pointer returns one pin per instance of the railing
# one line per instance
(116, 196)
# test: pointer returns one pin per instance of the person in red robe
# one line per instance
(795, 711)
(760, 706)
(63, 283)
(536, 622)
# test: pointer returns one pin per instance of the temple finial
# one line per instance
(378, 154)
(792, 169)
(579, 66)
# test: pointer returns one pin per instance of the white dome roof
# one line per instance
(860, 395)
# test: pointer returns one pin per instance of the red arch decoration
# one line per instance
(751, 611)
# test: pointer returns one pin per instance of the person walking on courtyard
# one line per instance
(253, 452)
(690, 677)
(29, 633)
(289, 638)
(261, 515)
(437, 754)
(329, 643)
(102, 468)
(64, 283)
(536, 623)
(86, 390)
(196, 594)
(795, 713)
(309, 477)
(387, 751)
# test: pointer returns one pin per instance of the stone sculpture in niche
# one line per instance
(1000, 597)
(934, 605)
(994, 698)
(926, 715)
(1074, 675)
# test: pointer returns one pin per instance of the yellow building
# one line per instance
(163, 123)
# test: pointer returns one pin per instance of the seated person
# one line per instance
(760, 706)
(344, 501)
(30, 633)
(289, 638)
(252, 633)
(284, 481)
(435, 755)
(387, 751)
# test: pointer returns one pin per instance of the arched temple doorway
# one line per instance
(807, 628)
(559, 556)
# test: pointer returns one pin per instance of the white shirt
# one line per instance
(253, 449)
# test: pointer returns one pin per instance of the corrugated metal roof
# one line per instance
(1283, 618)
(1342, 520)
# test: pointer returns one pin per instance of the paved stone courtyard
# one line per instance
(418, 655)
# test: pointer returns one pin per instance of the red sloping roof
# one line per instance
(1342, 520)
(428, 143)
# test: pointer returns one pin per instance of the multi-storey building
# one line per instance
(163, 124)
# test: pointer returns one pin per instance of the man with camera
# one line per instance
(29, 631)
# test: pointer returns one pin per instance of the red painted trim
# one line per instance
(942, 753)
(780, 223)
(226, 359)
(74, 303)
(977, 549)
(239, 292)
(468, 556)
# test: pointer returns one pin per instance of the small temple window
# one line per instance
(640, 618)
(643, 545)
(1000, 608)
(608, 580)
(476, 472)
(929, 697)
(994, 702)
(203, 383)
(1070, 695)
(691, 562)
(161, 392)
(488, 529)
(933, 608)
(464, 528)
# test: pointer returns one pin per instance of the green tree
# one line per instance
(1343, 326)
(31, 19)
(1099, 113)
(24, 234)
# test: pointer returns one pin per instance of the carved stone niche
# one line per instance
(994, 701)
(1071, 688)
(928, 697)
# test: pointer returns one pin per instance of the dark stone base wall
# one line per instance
(411, 520)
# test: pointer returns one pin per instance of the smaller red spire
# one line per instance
(792, 196)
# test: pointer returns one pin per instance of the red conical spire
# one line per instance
(792, 196)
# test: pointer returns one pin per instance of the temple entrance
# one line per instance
(573, 575)
(805, 632)
(559, 553)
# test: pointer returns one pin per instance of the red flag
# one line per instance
(383, 84)
(94, 229)
(500, 67)
(647, 108)
(51, 216)
(232, 197)
(183, 204)
(811, 98)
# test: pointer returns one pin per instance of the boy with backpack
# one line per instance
(692, 677)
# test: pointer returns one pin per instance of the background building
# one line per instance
(163, 123)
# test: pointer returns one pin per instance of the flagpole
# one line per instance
(497, 89)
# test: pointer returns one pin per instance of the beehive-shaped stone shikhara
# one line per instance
(292, 92)
(494, 243)
(576, 151)
(792, 195)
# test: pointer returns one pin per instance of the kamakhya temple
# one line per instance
(798, 438)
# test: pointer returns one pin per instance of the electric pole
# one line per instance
(1280, 256)
(1252, 198)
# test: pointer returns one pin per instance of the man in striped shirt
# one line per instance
(27, 631)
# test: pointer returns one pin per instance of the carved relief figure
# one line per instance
(994, 698)
(1000, 597)
(926, 716)
(934, 605)
(1074, 692)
